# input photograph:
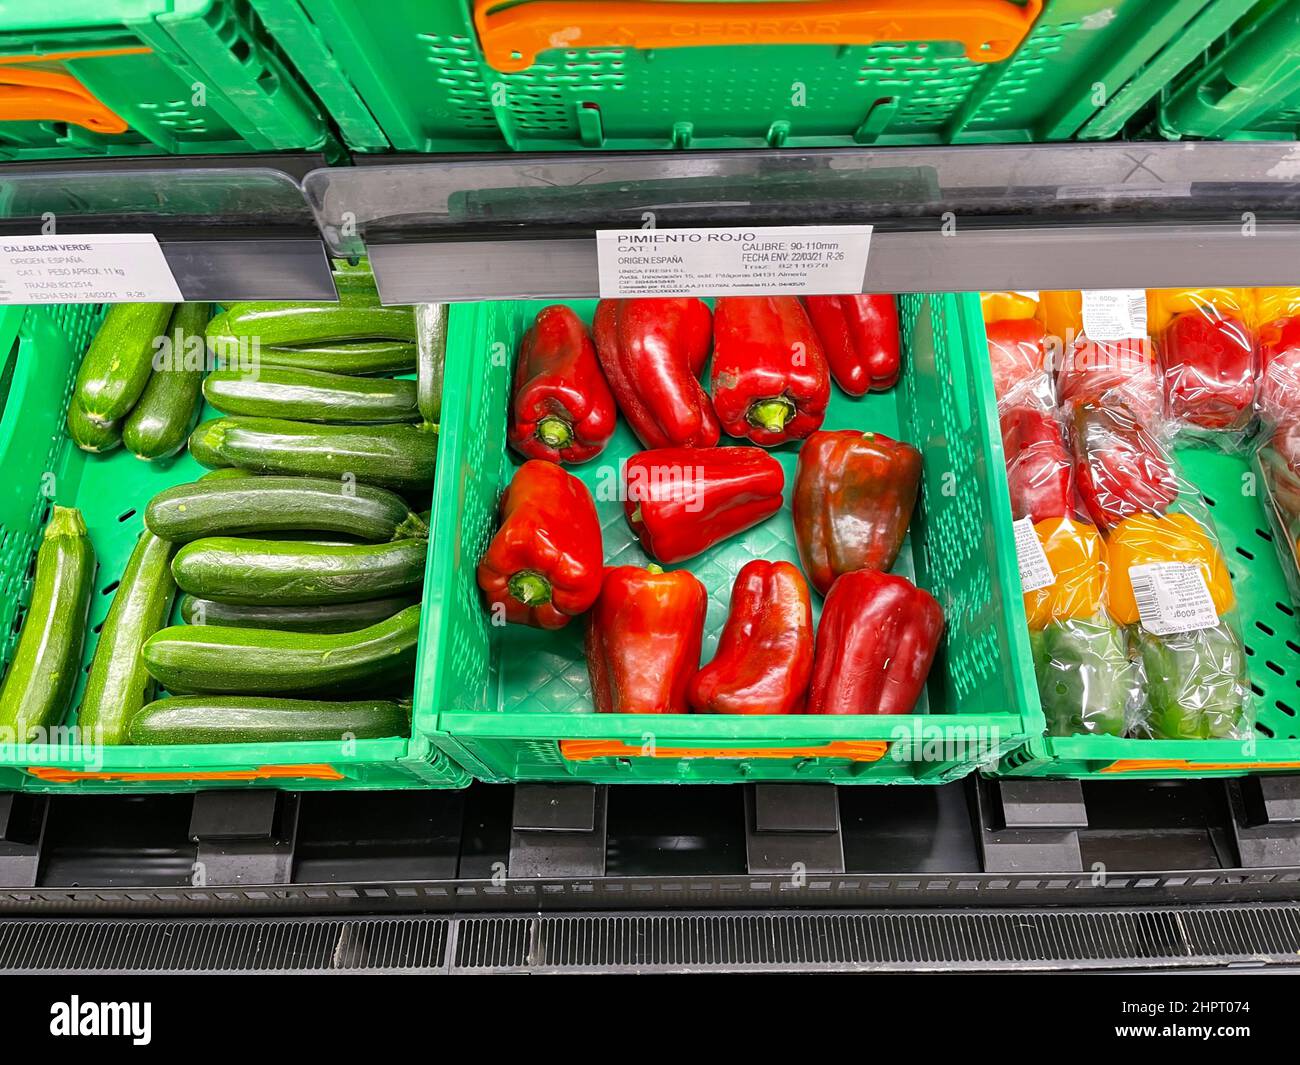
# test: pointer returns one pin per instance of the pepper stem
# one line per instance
(654, 568)
(554, 432)
(529, 587)
(771, 414)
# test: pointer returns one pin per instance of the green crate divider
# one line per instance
(251, 100)
(1247, 86)
(507, 695)
(1270, 631)
(419, 74)
(42, 466)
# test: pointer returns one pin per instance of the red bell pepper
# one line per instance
(1040, 472)
(1015, 351)
(643, 640)
(853, 499)
(770, 378)
(859, 335)
(1208, 363)
(875, 643)
(765, 653)
(652, 352)
(1120, 469)
(544, 564)
(1279, 390)
(562, 409)
(683, 500)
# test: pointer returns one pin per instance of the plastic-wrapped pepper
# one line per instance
(1075, 554)
(853, 499)
(765, 652)
(652, 352)
(644, 639)
(1119, 467)
(770, 379)
(875, 643)
(543, 567)
(1196, 683)
(1040, 473)
(681, 500)
(1146, 538)
(1016, 352)
(1208, 362)
(859, 335)
(562, 409)
(1279, 386)
(1086, 682)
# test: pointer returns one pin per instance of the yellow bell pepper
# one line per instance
(999, 306)
(1163, 304)
(1274, 303)
(1142, 538)
(1075, 552)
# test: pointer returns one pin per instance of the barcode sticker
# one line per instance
(1115, 313)
(1172, 597)
(1035, 570)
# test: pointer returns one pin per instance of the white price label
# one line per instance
(1035, 570)
(1115, 314)
(1172, 597)
(759, 261)
(96, 268)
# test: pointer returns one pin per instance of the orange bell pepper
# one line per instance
(1075, 552)
(1142, 538)
(1000, 306)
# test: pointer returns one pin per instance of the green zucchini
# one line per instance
(242, 571)
(311, 396)
(233, 661)
(316, 323)
(47, 662)
(394, 456)
(256, 719)
(431, 352)
(90, 435)
(359, 358)
(329, 617)
(226, 473)
(118, 684)
(161, 421)
(237, 506)
(118, 363)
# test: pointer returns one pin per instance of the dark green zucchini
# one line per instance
(234, 661)
(394, 456)
(257, 719)
(329, 617)
(162, 419)
(47, 661)
(238, 506)
(236, 570)
(290, 324)
(118, 684)
(92, 436)
(431, 349)
(226, 473)
(311, 396)
(359, 358)
(120, 359)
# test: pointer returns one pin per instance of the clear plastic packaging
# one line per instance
(1040, 472)
(1208, 359)
(1277, 317)
(1277, 467)
(1121, 467)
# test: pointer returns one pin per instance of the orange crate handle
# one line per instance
(1182, 765)
(512, 37)
(55, 775)
(853, 750)
(28, 94)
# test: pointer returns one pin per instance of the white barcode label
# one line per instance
(1172, 597)
(1115, 313)
(1035, 570)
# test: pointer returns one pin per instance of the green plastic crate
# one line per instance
(186, 76)
(1247, 86)
(514, 703)
(42, 466)
(416, 79)
(1271, 633)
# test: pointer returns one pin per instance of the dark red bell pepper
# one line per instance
(1279, 388)
(562, 409)
(683, 500)
(544, 566)
(875, 643)
(1208, 363)
(853, 499)
(643, 640)
(1040, 472)
(1017, 348)
(859, 335)
(652, 352)
(770, 378)
(1119, 467)
(765, 653)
